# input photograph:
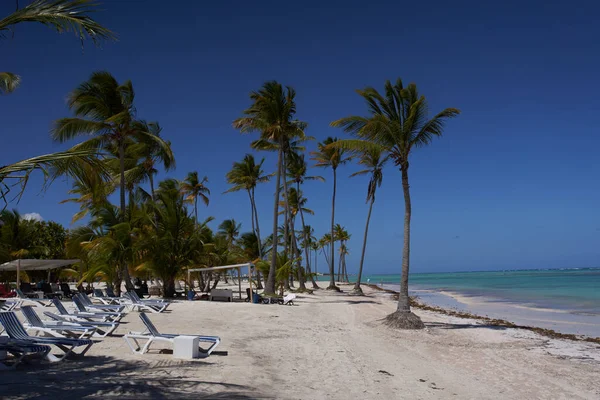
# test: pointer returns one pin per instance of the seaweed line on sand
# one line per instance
(490, 321)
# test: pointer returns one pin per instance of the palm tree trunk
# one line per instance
(403, 299)
(196, 209)
(126, 277)
(256, 230)
(403, 318)
(296, 253)
(306, 249)
(364, 248)
(332, 244)
(270, 284)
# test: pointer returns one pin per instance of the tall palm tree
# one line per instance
(245, 175)
(193, 188)
(62, 15)
(331, 157)
(397, 123)
(272, 114)
(373, 161)
(104, 108)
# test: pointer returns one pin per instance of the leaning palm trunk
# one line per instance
(296, 254)
(403, 318)
(270, 284)
(332, 244)
(357, 287)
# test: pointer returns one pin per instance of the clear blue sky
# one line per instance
(514, 182)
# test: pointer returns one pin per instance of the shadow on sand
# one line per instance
(108, 378)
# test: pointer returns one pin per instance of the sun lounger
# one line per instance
(152, 334)
(93, 309)
(20, 349)
(134, 296)
(58, 329)
(34, 301)
(101, 307)
(103, 328)
(98, 295)
(10, 304)
(143, 306)
(15, 330)
(85, 315)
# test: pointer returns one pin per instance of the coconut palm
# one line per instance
(331, 157)
(104, 108)
(230, 229)
(373, 161)
(342, 235)
(193, 188)
(174, 244)
(62, 15)
(149, 154)
(272, 114)
(245, 175)
(397, 123)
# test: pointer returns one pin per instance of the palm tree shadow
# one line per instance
(108, 378)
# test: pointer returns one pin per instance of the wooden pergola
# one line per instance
(239, 267)
(34, 265)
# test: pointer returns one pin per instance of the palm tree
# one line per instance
(342, 235)
(272, 114)
(373, 161)
(245, 175)
(175, 242)
(230, 229)
(330, 157)
(105, 109)
(150, 153)
(296, 171)
(62, 15)
(397, 123)
(193, 188)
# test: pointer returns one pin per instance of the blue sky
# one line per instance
(513, 183)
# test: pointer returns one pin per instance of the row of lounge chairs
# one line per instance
(72, 332)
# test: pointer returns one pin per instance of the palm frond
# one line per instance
(8, 82)
(62, 15)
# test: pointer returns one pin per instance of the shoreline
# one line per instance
(490, 321)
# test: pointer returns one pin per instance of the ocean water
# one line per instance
(566, 300)
(574, 290)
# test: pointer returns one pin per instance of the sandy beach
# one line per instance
(326, 346)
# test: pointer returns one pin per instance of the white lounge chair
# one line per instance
(57, 329)
(83, 309)
(151, 334)
(144, 306)
(34, 301)
(103, 307)
(85, 315)
(16, 331)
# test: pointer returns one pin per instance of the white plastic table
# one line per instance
(186, 347)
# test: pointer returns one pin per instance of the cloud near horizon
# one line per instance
(32, 217)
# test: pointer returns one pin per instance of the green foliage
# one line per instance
(397, 123)
(245, 175)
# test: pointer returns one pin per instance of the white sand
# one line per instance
(327, 346)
